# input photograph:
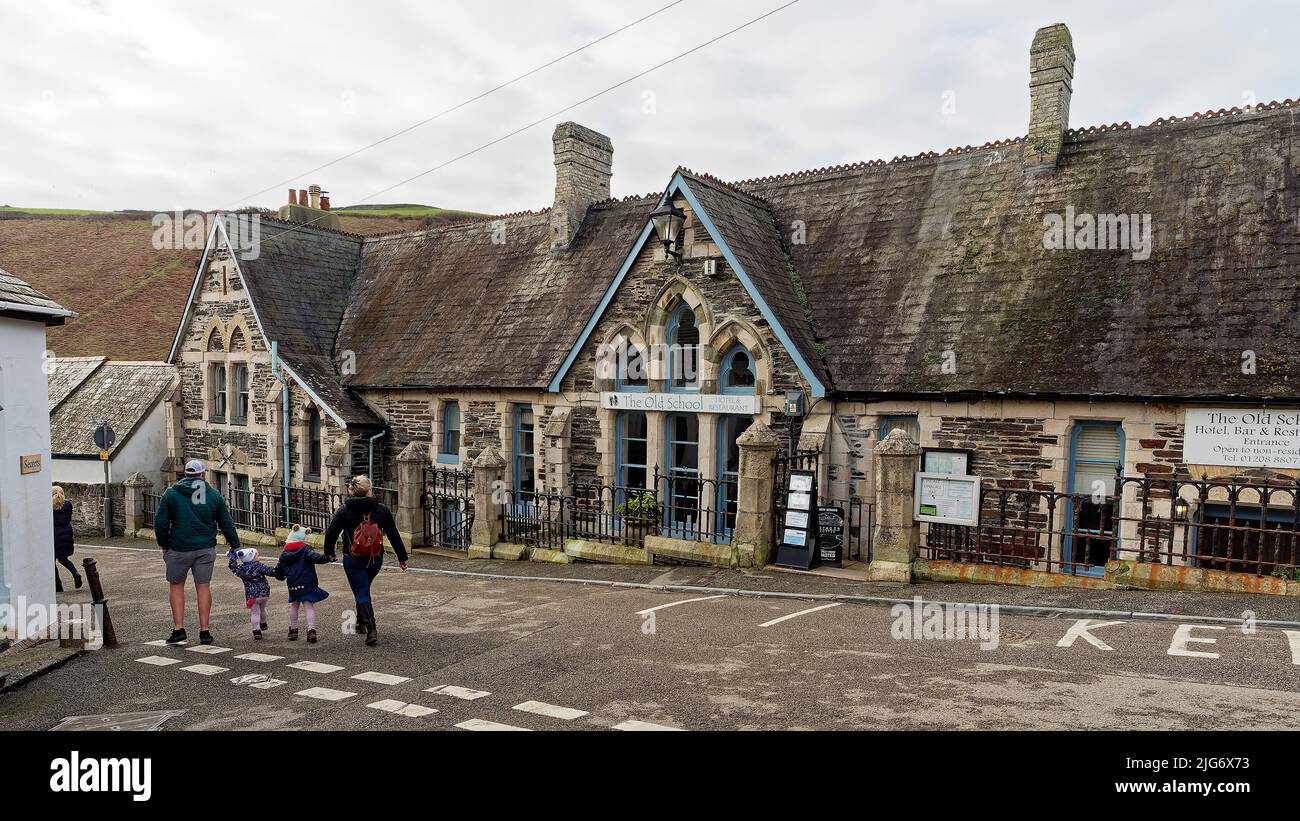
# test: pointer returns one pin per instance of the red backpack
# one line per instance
(367, 540)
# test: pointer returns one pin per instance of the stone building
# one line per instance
(1046, 309)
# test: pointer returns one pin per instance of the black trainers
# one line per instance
(257, 635)
(178, 636)
(311, 636)
(264, 625)
(76, 581)
(205, 637)
(293, 634)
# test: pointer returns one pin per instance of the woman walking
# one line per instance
(63, 537)
(361, 521)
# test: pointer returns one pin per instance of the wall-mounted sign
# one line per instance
(1240, 437)
(30, 464)
(947, 499)
(797, 549)
(830, 535)
(746, 404)
(945, 460)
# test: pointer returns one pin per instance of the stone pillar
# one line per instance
(897, 537)
(752, 538)
(554, 433)
(135, 486)
(410, 487)
(488, 469)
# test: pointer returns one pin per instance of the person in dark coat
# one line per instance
(297, 567)
(362, 571)
(63, 538)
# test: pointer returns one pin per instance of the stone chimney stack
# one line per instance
(1051, 79)
(583, 165)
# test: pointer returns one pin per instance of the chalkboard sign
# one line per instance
(830, 535)
(797, 533)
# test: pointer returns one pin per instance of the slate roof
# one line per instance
(66, 373)
(448, 307)
(18, 293)
(909, 259)
(122, 392)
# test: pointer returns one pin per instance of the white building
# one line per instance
(26, 527)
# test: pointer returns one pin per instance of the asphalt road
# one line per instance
(547, 656)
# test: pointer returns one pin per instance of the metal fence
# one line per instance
(256, 510)
(151, 501)
(448, 504)
(860, 528)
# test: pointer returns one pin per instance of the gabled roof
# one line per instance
(65, 374)
(17, 298)
(122, 392)
(484, 304)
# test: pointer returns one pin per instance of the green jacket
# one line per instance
(185, 525)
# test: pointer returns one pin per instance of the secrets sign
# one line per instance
(1242, 437)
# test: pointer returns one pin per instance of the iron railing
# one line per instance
(448, 507)
(151, 502)
(860, 527)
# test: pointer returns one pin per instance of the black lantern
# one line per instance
(1180, 509)
(667, 220)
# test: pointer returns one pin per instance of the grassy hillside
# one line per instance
(408, 210)
(74, 212)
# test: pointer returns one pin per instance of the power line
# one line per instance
(555, 114)
(463, 103)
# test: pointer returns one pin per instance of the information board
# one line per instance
(830, 535)
(798, 532)
(947, 499)
(1242, 437)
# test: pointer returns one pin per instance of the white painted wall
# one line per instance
(26, 524)
(144, 452)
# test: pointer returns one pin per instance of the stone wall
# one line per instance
(88, 507)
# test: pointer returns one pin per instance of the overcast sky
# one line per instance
(111, 104)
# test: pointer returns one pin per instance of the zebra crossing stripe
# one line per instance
(402, 708)
(315, 667)
(458, 692)
(158, 661)
(210, 649)
(205, 669)
(163, 643)
(325, 694)
(381, 678)
(634, 725)
(541, 708)
(259, 657)
(489, 726)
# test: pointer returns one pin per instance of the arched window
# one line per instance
(684, 350)
(314, 459)
(738, 371)
(633, 369)
(450, 430)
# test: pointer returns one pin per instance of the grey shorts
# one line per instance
(182, 562)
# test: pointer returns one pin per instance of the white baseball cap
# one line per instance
(195, 467)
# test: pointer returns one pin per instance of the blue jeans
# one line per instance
(360, 573)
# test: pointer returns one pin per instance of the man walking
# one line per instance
(189, 515)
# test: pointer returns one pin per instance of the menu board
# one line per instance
(947, 499)
(830, 535)
(940, 460)
(797, 548)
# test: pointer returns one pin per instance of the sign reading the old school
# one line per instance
(947, 499)
(681, 402)
(1242, 437)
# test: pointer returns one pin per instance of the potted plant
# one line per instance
(640, 512)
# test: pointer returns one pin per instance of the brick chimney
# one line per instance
(583, 163)
(1051, 79)
(310, 206)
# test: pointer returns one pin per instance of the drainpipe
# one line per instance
(371, 468)
(284, 427)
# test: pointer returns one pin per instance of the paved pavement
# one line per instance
(476, 653)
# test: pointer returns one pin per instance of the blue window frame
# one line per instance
(683, 351)
(1096, 456)
(729, 430)
(449, 450)
(681, 499)
(631, 454)
(525, 479)
(633, 369)
(737, 371)
(907, 422)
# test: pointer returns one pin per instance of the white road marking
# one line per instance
(1080, 630)
(210, 649)
(675, 603)
(163, 661)
(205, 669)
(634, 725)
(541, 708)
(163, 643)
(1183, 637)
(402, 708)
(801, 613)
(381, 678)
(258, 680)
(458, 692)
(315, 667)
(1292, 639)
(258, 657)
(492, 726)
(325, 694)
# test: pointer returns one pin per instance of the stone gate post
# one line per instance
(897, 537)
(133, 501)
(487, 503)
(752, 538)
(410, 486)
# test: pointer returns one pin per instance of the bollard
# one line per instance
(97, 598)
